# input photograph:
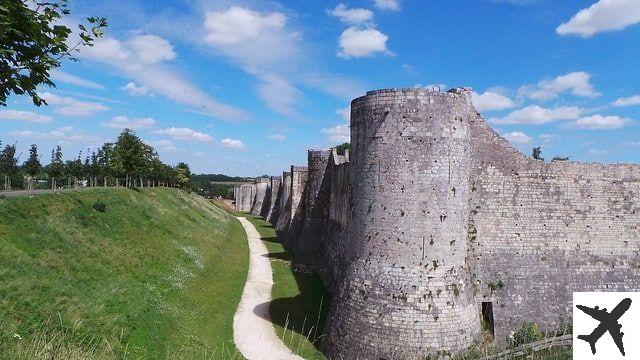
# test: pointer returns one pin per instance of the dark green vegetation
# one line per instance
(34, 40)
(342, 148)
(299, 304)
(127, 162)
(214, 185)
(119, 273)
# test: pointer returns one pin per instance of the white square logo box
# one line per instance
(594, 328)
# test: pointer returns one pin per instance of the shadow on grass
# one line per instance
(287, 256)
(304, 313)
(271, 239)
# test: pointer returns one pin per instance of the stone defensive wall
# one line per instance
(433, 229)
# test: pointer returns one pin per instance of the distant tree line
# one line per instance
(205, 185)
(127, 162)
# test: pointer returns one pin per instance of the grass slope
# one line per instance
(158, 274)
(299, 303)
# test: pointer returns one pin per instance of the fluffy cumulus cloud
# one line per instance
(151, 49)
(517, 137)
(26, 116)
(337, 134)
(237, 25)
(599, 122)
(261, 44)
(72, 107)
(351, 16)
(63, 77)
(393, 5)
(277, 137)
(356, 42)
(136, 90)
(628, 101)
(537, 115)
(577, 83)
(123, 122)
(232, 144)
(66, 134)
(185, 134)
(145, 59)
(604, 15)
(266, 47)
(489, 101)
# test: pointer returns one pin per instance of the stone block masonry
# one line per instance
(433, 216)
(274, 201)
(261, 196)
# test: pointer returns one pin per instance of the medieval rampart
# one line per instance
(434, 222)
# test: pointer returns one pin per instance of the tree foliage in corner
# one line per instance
(33, 40)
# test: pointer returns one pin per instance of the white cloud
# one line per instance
(61, 76)
(604, 15)
(26, 116)
(351, 16)
(237, 25)
(61, 135)
(577, 83)
(165, 145)
(184, 134)
(387, 4)
(345, 113)
(277, 137)
(629, 101)
(123, 122)
(72, 107)
(536, 115)
(146, 64)
(357, 42)
(599, 122)
(517, 137)
(151, 49)
(135, 90)
(278, 94)
(338, 134)
(489, 101)
(265, 46)
(232, 144)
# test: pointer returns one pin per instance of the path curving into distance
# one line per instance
(253, 333)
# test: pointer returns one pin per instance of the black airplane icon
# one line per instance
(608, 322)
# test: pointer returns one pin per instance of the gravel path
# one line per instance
(253, 334)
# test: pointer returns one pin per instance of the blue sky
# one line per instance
(246, 87)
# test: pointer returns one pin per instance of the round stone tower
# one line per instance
(406, 292)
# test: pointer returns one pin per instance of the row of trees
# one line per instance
(127, 162)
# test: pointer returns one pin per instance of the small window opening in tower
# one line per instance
(487, 318)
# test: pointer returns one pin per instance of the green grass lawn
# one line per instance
(157, 275)
(299, 304)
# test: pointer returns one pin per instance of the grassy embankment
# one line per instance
(299, 303)
(155, 273)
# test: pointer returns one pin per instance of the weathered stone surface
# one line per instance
(262, 196)
(433, 213)
(276, 191)
(406, 288)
